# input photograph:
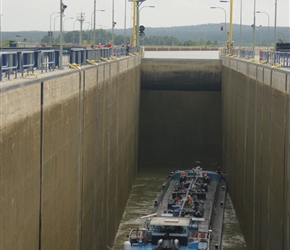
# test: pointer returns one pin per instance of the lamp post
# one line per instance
(113, 21)
(54, 23)
(225, 17)
(125, 17)
(62, 8)
(137, 22)
(268, 23)
(50, 34)
(275, 25)
(1, 25)
(94, 22)
(138, 4)
(134, 32)
(241, 17)
(254, 29)
(230, 37)
(149, 6)
(64, 21)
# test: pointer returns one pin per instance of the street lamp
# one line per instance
(54, 23)
(268, 22)
(149, 6)
(94, 27)
(113, 21)
(225, 17)
(62, 8)
(275, 25)
(125, 20)
(50, 34)
(138, 4)
(241, 17)
(1, 25)
(64, 21)
(230, 37)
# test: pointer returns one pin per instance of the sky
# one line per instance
(27, 15)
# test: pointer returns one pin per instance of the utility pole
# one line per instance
(81, 18)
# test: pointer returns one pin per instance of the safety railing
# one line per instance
(8, 64)
(47, 60)
(24, 60)
(78, 55)
(282, 59)
(106, 52)
(27, 61)
(272, 58)
(93, 54)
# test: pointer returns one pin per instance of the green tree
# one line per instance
(45, 40)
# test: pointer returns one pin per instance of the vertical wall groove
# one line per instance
(80, 189)
(95, 164)
(83, 96)
(269, 157)
(40, 164)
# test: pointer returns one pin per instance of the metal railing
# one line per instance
(272, 58)
(27, 61)
(47, 60)
(8, 64)
(21, 60)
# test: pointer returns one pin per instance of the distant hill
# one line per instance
(30, 36)
(206, 32)
(213, 32)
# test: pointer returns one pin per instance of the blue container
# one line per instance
(175, 213)
(175, 207)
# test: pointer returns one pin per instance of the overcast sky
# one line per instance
(26, 15)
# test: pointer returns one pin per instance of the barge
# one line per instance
(187, 214)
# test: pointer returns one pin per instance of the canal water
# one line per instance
(149, 182)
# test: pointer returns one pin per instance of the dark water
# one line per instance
(145, 190)
(232, 235)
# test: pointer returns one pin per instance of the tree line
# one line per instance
(194, 35)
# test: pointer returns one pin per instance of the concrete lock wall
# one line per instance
(69, 143)
(180, 113)
(181, 74)
(256, 150)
